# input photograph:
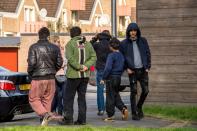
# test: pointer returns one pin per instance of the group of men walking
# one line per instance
(111, 56)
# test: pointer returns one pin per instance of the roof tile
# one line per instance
(8, 5)
(51, 6)
(85, 14)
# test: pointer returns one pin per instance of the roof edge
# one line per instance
(96, 2)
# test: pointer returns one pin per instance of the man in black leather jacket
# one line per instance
(44, 60)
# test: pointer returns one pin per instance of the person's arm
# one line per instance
(31, 60)
(122, 50)
(94, 40)
(92, 59)
(148, 53)
(70, 57)
(108, 67)
(59, 59)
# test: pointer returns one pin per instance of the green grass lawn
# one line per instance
(89, 128)
(188, 113)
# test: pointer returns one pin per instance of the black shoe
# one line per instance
(135, 117)
(79, 123)
(100, 113)
(140, 113)
(64, 122)
(41, 119)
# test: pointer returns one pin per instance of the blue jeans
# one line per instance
(57, 104)
(100, 91)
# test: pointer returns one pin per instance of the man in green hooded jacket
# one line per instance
(80, 55)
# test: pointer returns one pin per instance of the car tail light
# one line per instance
(7, 85)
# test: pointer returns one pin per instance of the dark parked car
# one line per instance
(124, 79)
(14, 89)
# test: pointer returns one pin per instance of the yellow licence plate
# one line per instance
(24, 87)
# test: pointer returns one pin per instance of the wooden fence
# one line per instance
(171, 29)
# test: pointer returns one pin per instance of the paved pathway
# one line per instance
(94, 120)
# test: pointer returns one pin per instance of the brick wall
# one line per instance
(10, 25)
(27, 41)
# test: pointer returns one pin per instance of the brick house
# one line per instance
(26, 16)
(19, 16)
(97, 15)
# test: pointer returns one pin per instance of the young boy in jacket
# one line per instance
(138, 63)
(112, 75)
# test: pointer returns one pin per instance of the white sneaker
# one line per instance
(109, 119)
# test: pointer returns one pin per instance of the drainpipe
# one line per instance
(1, 24)
(113, 18)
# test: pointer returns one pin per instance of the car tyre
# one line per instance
(6, 118)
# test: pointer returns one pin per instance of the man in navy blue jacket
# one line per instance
(137, 63)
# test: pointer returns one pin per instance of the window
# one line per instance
(1, 25)
(120, 2)
(74, 17)
(6, 34)
(97, 21)
(9, 35)
(65, 18)
(121, 22)
(127, 21)
(29, 14)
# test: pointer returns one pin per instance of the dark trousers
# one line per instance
(57, 104)
(142, 76)
(113, 98)
(78, 85)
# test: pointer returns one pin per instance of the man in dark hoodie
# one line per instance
(137, 63)
(102, 50)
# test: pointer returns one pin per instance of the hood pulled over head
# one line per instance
(133, 26)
